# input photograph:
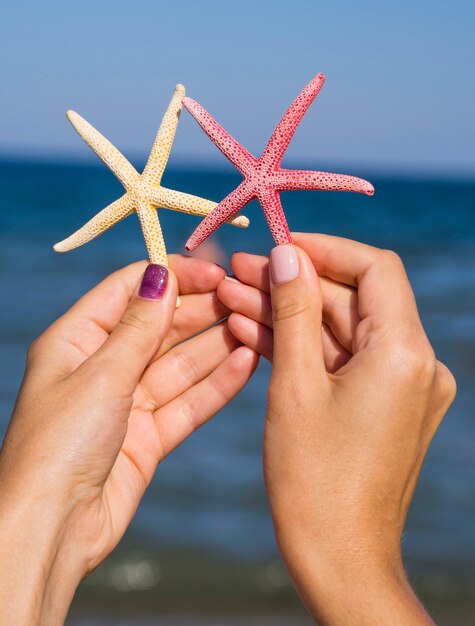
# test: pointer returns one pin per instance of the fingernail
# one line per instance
(284, 263)
(232, 279)
(154, 282)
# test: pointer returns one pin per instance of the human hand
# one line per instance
(351, 413)
(110, 389)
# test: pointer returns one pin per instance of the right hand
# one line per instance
(351, 413)
(110, 389)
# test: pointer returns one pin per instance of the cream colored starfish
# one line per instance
(144, 193)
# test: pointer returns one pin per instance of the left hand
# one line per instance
(110, 389)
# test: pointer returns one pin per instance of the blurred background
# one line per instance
(397, 109)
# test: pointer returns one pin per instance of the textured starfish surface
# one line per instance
(144, 193)
(263, 177)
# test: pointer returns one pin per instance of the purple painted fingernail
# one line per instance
(154, 282)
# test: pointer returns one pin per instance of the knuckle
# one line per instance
(132, 320)
(392, 258)
(189, 413)
(415, 362)
(186, 365)
(332, 304)
(290, 309)
(219, 391)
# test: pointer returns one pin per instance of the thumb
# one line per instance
(141, 330)
(296, 311)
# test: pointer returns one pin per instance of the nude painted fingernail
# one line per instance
(154, 282)
(284, 263)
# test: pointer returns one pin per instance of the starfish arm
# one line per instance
(282, 135)
(222, 212)
(98, 224)
(162, 145)
(274, 214)
(285, 180)
(232, 149)
(186, 203)
(152, 233)
(105, 150)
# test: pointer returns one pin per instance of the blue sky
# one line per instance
(400, 89)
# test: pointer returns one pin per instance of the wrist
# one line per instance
(38, 574)
(352, 584)
(362, 595)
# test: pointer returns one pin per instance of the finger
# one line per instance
(340, 302)
(145, 322)
(249, 301)
(84, 328)
(195, 275)
(179, 418)
(384, 292)
(196, 313)
(252, 334)
(340, 311)
(340, 305)
(334, 353)
(251, 269)
(106, 302)
(296, 313)
(187, 364)
(261, 339)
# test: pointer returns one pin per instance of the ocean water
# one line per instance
(202, 541)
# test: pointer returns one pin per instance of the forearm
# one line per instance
(38, 578)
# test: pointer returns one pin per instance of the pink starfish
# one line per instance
(263, 177)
